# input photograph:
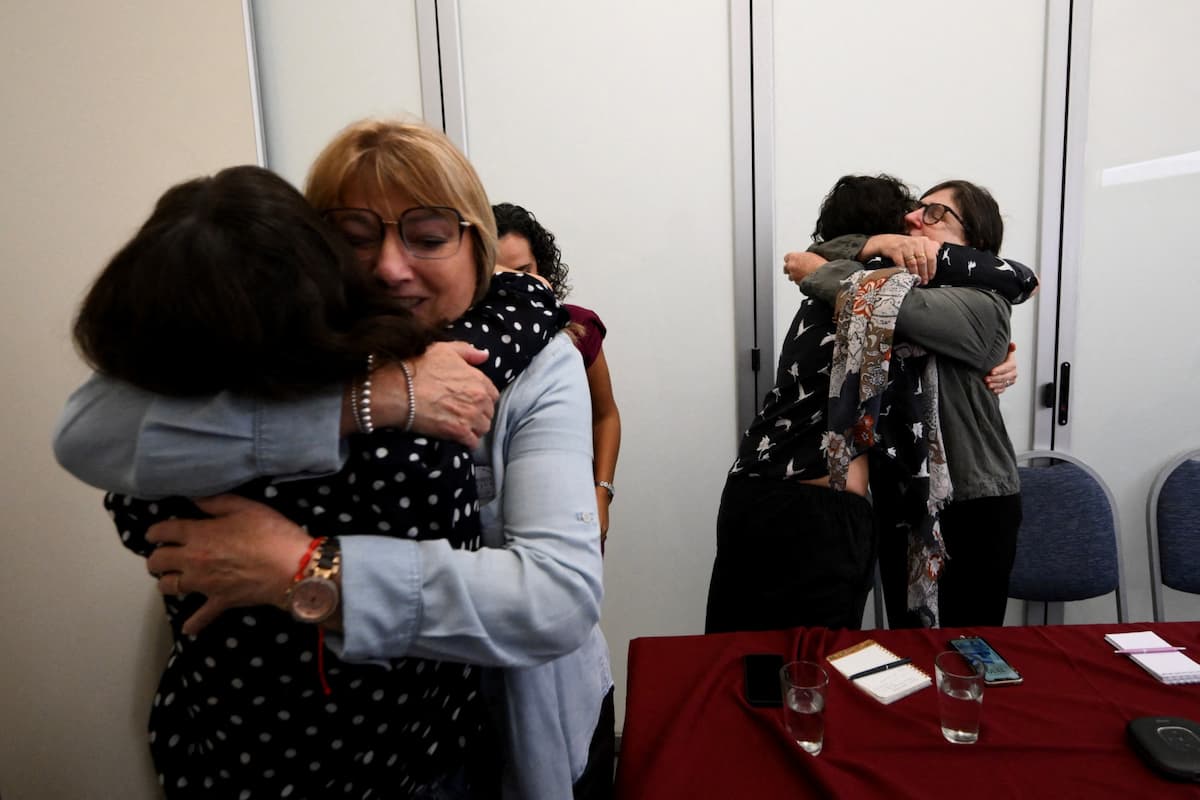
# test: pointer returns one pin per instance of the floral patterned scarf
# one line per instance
(865, 313)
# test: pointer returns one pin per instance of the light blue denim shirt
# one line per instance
(528, 601)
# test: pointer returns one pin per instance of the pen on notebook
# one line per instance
(1137, 651)
(900, 662)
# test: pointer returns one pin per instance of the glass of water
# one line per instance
(959, 696)
(805, 684)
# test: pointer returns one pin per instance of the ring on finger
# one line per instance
(178, 584)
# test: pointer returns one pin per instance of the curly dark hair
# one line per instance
(864, 204)
(511, 218)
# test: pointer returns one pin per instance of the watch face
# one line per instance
(314, 599)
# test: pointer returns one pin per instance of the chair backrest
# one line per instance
(1068, 547)
(1173, 529)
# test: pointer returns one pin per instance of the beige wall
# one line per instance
(104, 106)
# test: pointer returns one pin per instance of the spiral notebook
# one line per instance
(886, 687)
(1167, 667)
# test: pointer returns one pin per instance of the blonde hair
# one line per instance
(380, 157)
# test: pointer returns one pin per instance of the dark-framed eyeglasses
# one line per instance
(425, 231)
(934, 212)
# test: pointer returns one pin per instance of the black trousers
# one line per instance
(981, 545)
(790, 555)
(596, 782)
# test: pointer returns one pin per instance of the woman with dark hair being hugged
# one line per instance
(526, 246)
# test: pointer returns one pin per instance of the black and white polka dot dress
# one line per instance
(240, 710)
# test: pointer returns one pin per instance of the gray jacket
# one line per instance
(969, 331)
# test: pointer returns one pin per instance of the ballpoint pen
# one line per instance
(881, 668)
(1137, 651)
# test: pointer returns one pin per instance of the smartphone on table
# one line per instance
(762, 686)
(996, 671)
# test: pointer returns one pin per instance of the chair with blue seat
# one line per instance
(1069, 545)
(1173, 529)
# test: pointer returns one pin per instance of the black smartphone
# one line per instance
(762, 679)
(996, 671)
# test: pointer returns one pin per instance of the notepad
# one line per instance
(1167, 667)
(886, 687)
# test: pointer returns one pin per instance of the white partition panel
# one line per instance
(323, 65)
(1135, 362)
(611, 122)
(924, 94)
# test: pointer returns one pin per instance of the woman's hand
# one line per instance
(798, 266)
(246, 555)
(1004, 374)
(917, 254)
(454, 400)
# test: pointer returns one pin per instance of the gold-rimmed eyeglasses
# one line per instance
(426, 231)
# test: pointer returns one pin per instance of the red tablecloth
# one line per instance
(689, 733)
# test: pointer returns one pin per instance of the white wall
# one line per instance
(1136, 367)
(628, 161)
(105, 106)
(322, 65)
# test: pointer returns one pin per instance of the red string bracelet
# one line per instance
(325, 687)
(307, 557)
(304, 559)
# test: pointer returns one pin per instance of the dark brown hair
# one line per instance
(235, 283)
(983, 225)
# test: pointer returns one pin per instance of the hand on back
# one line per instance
(453, 399)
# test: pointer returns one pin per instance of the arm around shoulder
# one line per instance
(826, 282)
(842, 248)
(119, 438)
(95, 438)
(959, 265)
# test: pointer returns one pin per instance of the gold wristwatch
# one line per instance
(315, 596)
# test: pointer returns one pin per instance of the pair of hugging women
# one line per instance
(872, 371)
(464, 658)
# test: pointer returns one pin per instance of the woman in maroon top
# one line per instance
(526, 246)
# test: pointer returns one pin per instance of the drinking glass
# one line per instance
(959, 696)
(805, 684)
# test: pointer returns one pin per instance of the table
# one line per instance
(689, 733)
